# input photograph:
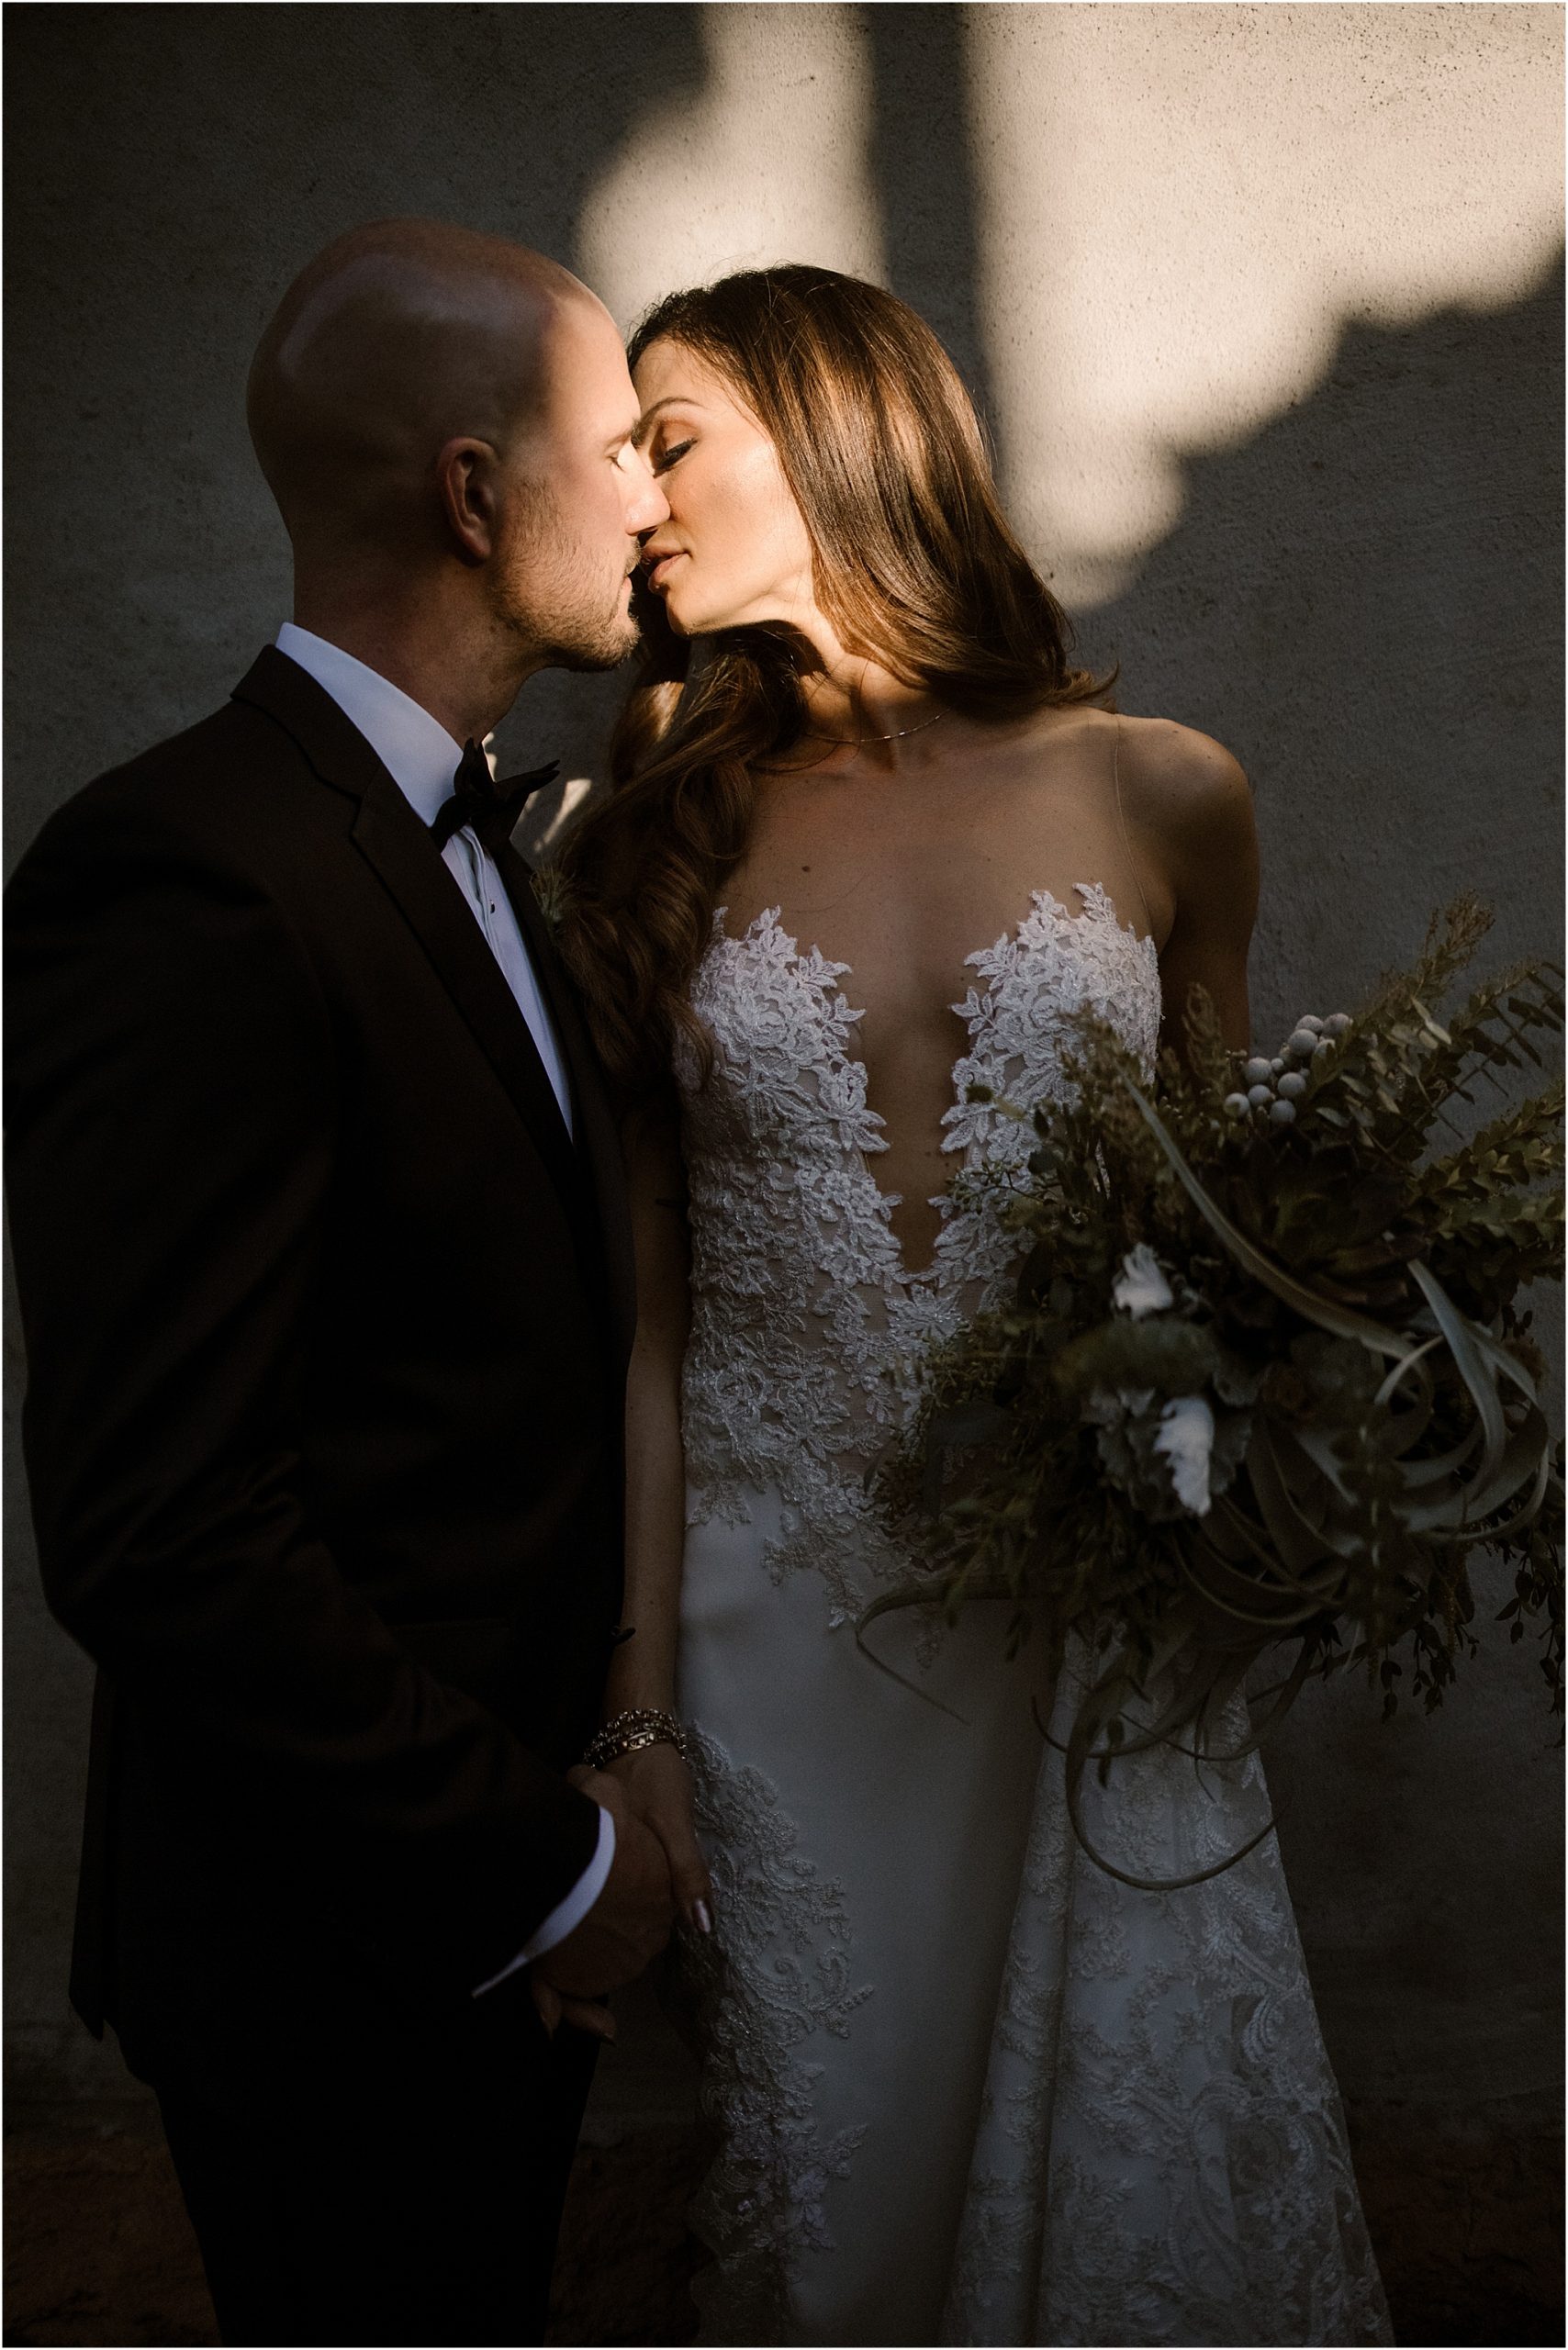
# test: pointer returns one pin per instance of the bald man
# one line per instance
(325, 1275)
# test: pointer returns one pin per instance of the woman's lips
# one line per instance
(659, 571)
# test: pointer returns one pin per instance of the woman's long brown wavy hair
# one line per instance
(913, 563)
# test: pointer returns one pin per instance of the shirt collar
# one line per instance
(415, 748)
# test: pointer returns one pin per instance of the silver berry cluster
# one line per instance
(1275, 1087)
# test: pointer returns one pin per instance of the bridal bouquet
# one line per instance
(1263, 1378)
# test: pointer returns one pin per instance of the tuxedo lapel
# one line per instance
(597, 1130)
(391, 838)
(390, 835)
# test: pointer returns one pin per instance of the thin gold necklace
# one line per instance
(853, 741)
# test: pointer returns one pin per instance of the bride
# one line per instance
(874, 838)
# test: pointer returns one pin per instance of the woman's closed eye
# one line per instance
(668, 457)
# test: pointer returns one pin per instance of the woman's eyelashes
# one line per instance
(668, 457)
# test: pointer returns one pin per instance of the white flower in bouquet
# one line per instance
(1186, 1439)
(1170, 1455)
(1141, 1287)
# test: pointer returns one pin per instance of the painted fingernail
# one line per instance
(703, 1916)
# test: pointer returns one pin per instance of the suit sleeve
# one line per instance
(172, 1098)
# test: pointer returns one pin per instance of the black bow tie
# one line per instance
(487, 805)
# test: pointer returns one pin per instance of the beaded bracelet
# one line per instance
(628, 1732)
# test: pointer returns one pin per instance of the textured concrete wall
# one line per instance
(1262, 305)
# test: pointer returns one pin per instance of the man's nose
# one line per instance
(649, 507)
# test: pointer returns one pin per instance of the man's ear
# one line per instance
(466, 477)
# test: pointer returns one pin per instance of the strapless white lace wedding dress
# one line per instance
(969, 2089)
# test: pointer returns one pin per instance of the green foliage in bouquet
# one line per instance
(1263, 1378)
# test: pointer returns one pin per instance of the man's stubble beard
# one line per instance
(601, 652)
(560, 609)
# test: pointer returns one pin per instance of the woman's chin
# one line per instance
(687, 617)
(682, 618)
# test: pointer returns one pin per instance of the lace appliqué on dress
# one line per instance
(807, 1334)
(777, 1971)
(1162, 2154)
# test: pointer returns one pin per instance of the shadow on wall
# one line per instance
(920, 164)
(1364, 603)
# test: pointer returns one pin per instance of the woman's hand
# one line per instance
(658, 1789)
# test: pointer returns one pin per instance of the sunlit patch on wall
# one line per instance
(1181, 210)
(767, 162)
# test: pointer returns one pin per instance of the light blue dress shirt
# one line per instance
(422, 759)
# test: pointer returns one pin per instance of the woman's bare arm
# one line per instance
(642, 1671)
(1191, 807)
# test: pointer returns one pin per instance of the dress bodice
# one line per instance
(807, 1327)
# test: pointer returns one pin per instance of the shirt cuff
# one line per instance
(567, 1915)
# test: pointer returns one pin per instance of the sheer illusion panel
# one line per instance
(808, 1328)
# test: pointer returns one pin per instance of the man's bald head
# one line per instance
(399, 338)
(449, 428)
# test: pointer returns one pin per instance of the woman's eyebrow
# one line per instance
(645, 424)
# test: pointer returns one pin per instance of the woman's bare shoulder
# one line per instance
(1188, 801)
(1176, 781)
(1164, 768)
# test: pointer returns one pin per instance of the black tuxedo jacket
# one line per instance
(327, 1321)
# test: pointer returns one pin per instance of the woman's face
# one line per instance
(735, 549)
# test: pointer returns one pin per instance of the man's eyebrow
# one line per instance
(645, 423)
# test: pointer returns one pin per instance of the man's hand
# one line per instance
(555, 2008)
(630, 1922)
